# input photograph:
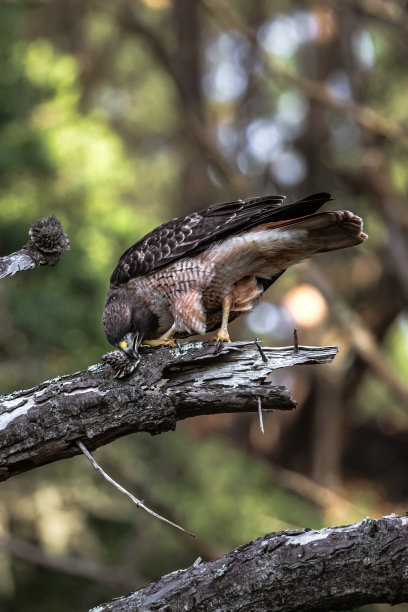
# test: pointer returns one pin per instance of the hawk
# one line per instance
(196, 273)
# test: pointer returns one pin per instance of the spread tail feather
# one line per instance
(334, 230)
(326, 231)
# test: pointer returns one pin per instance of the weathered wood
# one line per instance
(46, 244)
(43, 424)
(336, 568)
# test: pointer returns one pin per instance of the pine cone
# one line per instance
(120, 363)
(48, 236)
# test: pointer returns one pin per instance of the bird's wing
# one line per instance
(193, 233)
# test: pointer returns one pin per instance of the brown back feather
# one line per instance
(192, 234)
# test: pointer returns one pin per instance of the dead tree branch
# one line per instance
(336, 568)
(45, 424)
(46, 245)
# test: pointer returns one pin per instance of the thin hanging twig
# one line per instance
(134, 499)
(261, 425)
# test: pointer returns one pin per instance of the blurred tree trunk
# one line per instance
(195, 190)
(318, 60)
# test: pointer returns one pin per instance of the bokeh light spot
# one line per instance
(289, 168)
(306, 305)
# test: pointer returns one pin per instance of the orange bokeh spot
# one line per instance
(306, 305)
(158, 4)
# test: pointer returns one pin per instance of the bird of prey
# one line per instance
(196, 273)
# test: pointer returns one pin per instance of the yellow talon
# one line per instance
(223, 335)
(160, 342)
(164, 340)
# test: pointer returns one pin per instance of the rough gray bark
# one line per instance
(336, 568)
(46, 244)
(44, 424)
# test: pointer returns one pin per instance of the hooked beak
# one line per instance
(133, 350)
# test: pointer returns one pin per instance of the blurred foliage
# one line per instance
(92, 129)
(58, 160)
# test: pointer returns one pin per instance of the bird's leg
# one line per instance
(223, 335)
(164, 340)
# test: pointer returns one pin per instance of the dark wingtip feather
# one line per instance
(323, 197)
(301, 208)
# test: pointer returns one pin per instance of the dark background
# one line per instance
(116, 116)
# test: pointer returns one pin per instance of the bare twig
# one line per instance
(199, 545)
(261, 425)
(134, 499)
(45, 247)
(262, 354)
(295, 341)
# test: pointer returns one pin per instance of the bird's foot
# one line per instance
(160, 342)
(166, 339)
(222, 336)
(219, 339)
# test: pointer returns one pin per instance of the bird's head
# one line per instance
(127, 323)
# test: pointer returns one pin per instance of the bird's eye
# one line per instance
(123, 344)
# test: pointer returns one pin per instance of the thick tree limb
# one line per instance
(336, 568)
(44, 424)
(45, 247)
